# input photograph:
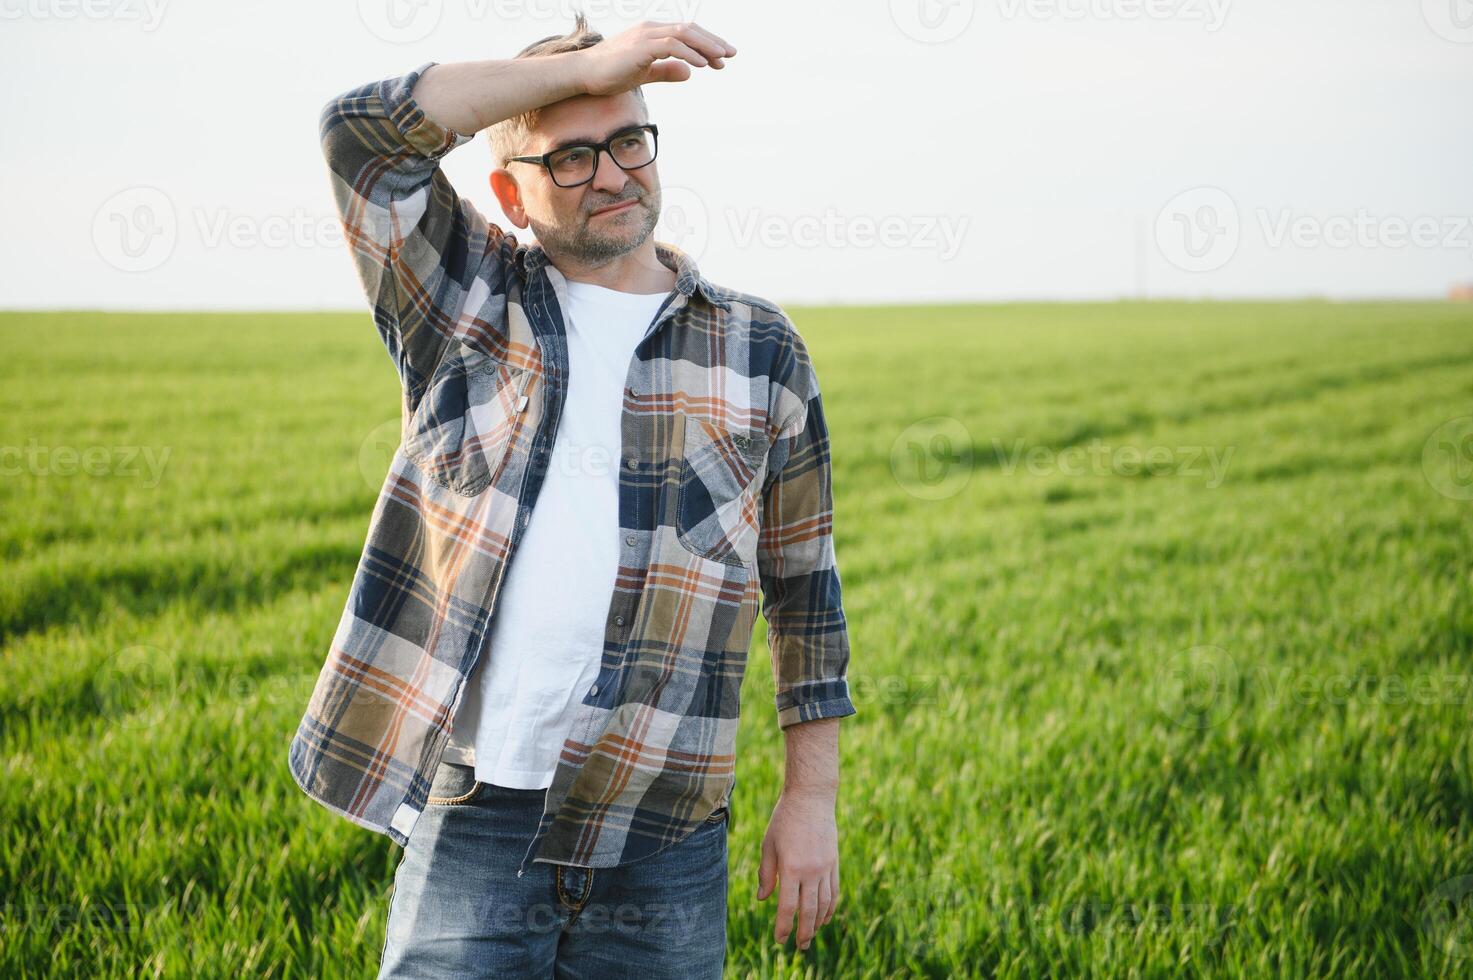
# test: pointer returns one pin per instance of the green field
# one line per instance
(1162, 622)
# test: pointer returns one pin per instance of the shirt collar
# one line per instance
(688, 278)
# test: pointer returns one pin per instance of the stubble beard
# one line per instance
(589, 244)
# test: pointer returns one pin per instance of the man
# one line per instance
(534, 685)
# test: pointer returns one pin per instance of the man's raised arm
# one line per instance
(416, 244)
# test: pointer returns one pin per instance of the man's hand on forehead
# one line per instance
(652, 51)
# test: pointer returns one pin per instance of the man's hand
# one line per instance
(650, 52)
(801, 850)
(468, 96)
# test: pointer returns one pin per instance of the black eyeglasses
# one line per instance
(576, 163)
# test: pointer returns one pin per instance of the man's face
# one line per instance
(568, 220)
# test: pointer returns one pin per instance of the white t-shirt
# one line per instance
(547, 635)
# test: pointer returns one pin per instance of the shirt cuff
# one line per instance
(421, 133)
(814, 701)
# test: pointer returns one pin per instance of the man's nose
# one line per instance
(608, 176)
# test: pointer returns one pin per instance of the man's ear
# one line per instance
(509, 196)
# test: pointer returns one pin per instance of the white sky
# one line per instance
(875, 151)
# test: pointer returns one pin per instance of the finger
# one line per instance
(668, 71)
(787, 907)
(825, 899)
(700, 42)
(807, 911)
(833, 892)
(766, 872)
(674, 47)
(710, 45)
(714, 50)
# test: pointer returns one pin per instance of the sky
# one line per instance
(163, 154)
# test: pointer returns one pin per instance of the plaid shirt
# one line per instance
(724, 487)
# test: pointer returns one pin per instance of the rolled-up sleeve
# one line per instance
(801, 597)
(416, 244)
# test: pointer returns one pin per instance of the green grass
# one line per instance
(1113, 720)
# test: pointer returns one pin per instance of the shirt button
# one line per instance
(632, 463)
(629, 539)
(593, 690)
(618, 620)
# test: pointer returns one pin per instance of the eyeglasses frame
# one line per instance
(597, 148)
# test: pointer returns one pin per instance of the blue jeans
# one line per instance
(457, 908)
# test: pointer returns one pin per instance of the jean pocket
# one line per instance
(718, 513)
(453, 784)
(461, 432)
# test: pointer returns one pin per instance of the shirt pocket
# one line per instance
(460, 434)
(718, 515)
